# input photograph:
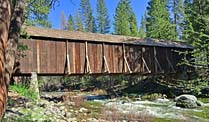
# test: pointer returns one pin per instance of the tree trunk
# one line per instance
(9, 30)
(14, 33)
(5, 17)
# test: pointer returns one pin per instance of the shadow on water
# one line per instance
(97, 97)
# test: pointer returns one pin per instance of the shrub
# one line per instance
(24, 91)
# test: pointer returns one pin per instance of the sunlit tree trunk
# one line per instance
(5, 17)
(14, 33)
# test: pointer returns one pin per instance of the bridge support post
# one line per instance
(87, 68)
(125, 62)
(169, 62)
(67, 59)
(157, 64)
(144, 62)
(38, 57)
(34, 84)
(105, 67)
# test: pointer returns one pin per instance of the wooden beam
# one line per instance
(144, 62)
(157, 64)
(87, 68)
(155, 53)
(125, 61)
(105, 67)
(67, 59)
(68, 65)
(38, 57)
(169, 62)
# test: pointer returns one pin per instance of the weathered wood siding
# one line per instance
(49, 57)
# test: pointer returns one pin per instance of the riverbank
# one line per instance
(72, 107)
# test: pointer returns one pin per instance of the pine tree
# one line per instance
(94, 26)
(196, 30)
(142, 30)
(37, 12)
(102, 19)
(158, 20)
(79, 23)
(178, 16)
(71, 24)
(133, 24)
(86, 15)
(122, 18)
(187, 24)
(63, 25)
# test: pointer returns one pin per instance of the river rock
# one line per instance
(83, 110)
(162, 100)
(187, 101)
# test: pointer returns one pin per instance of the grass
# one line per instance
(202, 114)
(94, 107)
(30, 115)
(168, 120)
(23, 91)
(204, 100)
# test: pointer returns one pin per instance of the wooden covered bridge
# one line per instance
(56, 52)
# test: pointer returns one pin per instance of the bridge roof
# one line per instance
(87, 36)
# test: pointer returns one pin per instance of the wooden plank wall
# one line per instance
(48, 57)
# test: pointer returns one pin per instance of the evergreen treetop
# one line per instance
(159, 24)
(37, 12)
(102, 18)
(125, 19)
(142, 30)
(71, 23)
(86, 15)
(79, 23)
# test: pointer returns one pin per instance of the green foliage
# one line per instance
(122, 18)
(125, 19)
(88, 81)
(202, 114)
(73, 82)
(177, 8)
(94, 26)
(196, 32)
(101, 82)
(159, 24)
(195, 86)
(71, 23)
(86, 15)
(133, 24)
(79, 23)
(102, 18)
(22, 47)
(142, 30)
(24, 91)
(37, 12)
(30, 115)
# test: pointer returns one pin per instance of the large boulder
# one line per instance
(187, 101)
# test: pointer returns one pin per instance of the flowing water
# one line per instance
(161, 109)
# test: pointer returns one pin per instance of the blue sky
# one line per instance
(139, 7)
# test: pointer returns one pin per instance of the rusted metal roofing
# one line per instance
(87, 36)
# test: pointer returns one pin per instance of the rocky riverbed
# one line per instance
(70, 107)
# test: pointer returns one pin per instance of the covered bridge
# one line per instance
(58, 52)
